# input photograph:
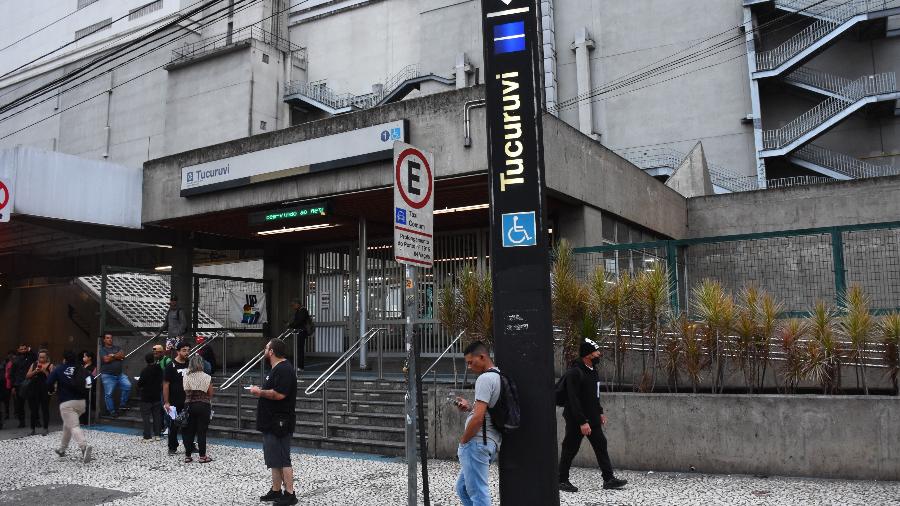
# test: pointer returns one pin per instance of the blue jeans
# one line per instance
(474, 459)
(109, 384)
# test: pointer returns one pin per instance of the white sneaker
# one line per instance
(86, 454)
(165, 432)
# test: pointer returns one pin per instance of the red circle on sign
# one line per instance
(419, 155)
(5, 191)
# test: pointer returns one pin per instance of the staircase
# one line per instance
(830, 19)
(819, 82)
(664, 161)
(838, 165)
(840, 104)
(395, 88)
(374, 424)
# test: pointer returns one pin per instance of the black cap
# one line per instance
(587, 347)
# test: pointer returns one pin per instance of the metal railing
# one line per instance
(818, 79)
(668, 158)
(842, 163)
(196, 349)
(866, 86)
(342, 361)
(255, 31)
(830, 15)
(787, 182)
(320, 93)
(446, 350)
(247, 367)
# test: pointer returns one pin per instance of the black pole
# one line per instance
(420, 407)
(520, 260)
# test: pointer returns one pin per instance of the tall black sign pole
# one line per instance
(519, 247)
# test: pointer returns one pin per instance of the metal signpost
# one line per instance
(414, 247)
(520, 260)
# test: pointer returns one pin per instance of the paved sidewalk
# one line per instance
(128, 471)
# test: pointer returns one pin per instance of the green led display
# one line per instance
(290, 213)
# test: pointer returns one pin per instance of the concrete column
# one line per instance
(281, 267)
(582, 226)
(463, 69)
(364, 289)
(756, 108)
(182, 283)
(582, 47)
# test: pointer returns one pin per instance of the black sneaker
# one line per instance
(271, 496)
(287, 499)
(614, 483)
(565, 486)
(173, 452)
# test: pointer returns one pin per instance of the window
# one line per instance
(96, 27)
(265, 58)
(146, 9)
(84, 3)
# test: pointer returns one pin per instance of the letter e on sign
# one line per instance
(413, 205)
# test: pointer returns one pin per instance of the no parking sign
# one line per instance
(413, 206)
(6, 199)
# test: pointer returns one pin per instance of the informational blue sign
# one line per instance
(519, 229)
(400, 216)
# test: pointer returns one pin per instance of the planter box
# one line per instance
(851, 437)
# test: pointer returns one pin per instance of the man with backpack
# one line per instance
(175, 325)
(579, 391)
(481, 440)
(71, 383)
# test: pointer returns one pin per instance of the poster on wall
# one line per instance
(247, 308)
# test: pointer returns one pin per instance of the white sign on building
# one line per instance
(363, 145)
(413, 206)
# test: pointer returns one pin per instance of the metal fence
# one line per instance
(799, 267)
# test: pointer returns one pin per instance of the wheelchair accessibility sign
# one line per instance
(519, 229)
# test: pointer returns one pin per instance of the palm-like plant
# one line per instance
(653, 294)
(618, 304)
(746, 328)
(792, 332)
(672, 355)
(857, 325)
(890, 336)
(570, 300)
(823, 357)
(770, 309)
(475, 306)
(716, 310)
(693, 361)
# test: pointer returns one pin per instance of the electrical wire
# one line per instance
(682, 62)
(117, 85)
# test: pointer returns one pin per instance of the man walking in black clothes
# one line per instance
(275, 418)
(24, 358)
(584, 417)
(301, 324)
(173, 389)
(150, 385)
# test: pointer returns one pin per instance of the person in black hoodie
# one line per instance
(70, 382)
(584, 417)
(24, 358)
(300, 324)
(150, 385)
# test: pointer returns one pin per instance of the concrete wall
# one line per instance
(828, 437)
(832, 204)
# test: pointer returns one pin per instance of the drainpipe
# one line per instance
(582, 47)
(467, 142)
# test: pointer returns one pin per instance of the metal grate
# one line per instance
(94, 28)
(144, 10)
(84, 3)
(872, 260)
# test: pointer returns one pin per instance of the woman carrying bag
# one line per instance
(38, 394)
(198, 391)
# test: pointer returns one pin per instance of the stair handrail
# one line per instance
(196, 349)
(244, 369)
(458, 337)
(843, 163)
(132, 352)
(819, 79)
(865, 86)
(341, 361)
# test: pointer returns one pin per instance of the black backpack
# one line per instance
(562, 396)
(506, 414)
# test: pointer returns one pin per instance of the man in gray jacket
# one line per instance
(175, 323)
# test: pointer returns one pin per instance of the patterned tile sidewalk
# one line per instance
(126, 465)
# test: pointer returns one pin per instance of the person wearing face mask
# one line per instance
(584, 417)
